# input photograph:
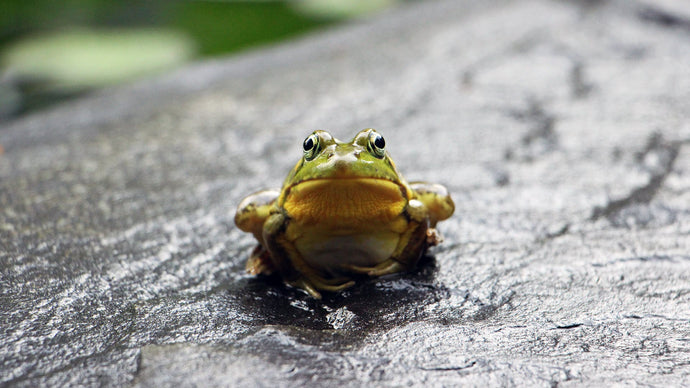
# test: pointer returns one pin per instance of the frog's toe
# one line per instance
(433, 237)
(357, 269)
(388, 267)
(331, 281)
(260, 262)
(333, 285)
(306, 286)
(255, 266)
(384, 268)
(312, 284)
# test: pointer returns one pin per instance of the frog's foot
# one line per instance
(312, 283)
(433, 237)
(260, 262)
(306, 286)
(384, 268)
(334, 284)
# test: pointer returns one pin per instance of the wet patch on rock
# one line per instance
(369, 306)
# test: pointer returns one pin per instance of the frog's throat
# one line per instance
(349, 201)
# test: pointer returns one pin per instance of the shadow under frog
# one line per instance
(370, 306)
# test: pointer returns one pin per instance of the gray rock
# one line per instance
(561, 128)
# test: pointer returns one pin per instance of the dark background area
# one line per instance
(192, 29)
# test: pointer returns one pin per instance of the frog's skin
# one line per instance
(343, 211)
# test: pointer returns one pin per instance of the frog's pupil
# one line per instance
(379, 142)
(308, 144)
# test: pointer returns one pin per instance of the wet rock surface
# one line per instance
(561, 128)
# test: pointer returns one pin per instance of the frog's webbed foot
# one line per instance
(287, 260)
(433, 237)
(312, 282)
(306, 286)
(384, 268)
(316, 280)
(260, 262)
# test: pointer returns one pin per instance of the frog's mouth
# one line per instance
(345, 200)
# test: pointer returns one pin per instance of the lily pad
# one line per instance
(341, 8)
(85, 58)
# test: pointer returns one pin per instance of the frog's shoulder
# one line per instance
(254, 209)
(436, 198)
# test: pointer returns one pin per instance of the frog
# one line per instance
(343, 213)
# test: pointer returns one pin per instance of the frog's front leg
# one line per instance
(250, 217)
(412, 244)
(289, 262)
(437, 200)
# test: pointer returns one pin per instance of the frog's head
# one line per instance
(328, 158)
(328, 162)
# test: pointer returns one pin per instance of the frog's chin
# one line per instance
(345, 201)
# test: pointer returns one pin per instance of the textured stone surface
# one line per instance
(561, 128)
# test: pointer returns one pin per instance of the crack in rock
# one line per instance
(658, 157)
(653, 258)
(554, 233)
(449, 368)
(580, 88)
(540, 139)
(664, 17)
(569, 326)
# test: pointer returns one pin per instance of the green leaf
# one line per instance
(86, 58)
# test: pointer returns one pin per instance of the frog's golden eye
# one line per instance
(311, 146)
(377, 145)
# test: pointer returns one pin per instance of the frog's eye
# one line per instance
(377, 145)
(310, 146)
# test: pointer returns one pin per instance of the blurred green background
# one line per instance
(51, 51)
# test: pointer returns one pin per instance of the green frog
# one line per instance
(344, 211)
